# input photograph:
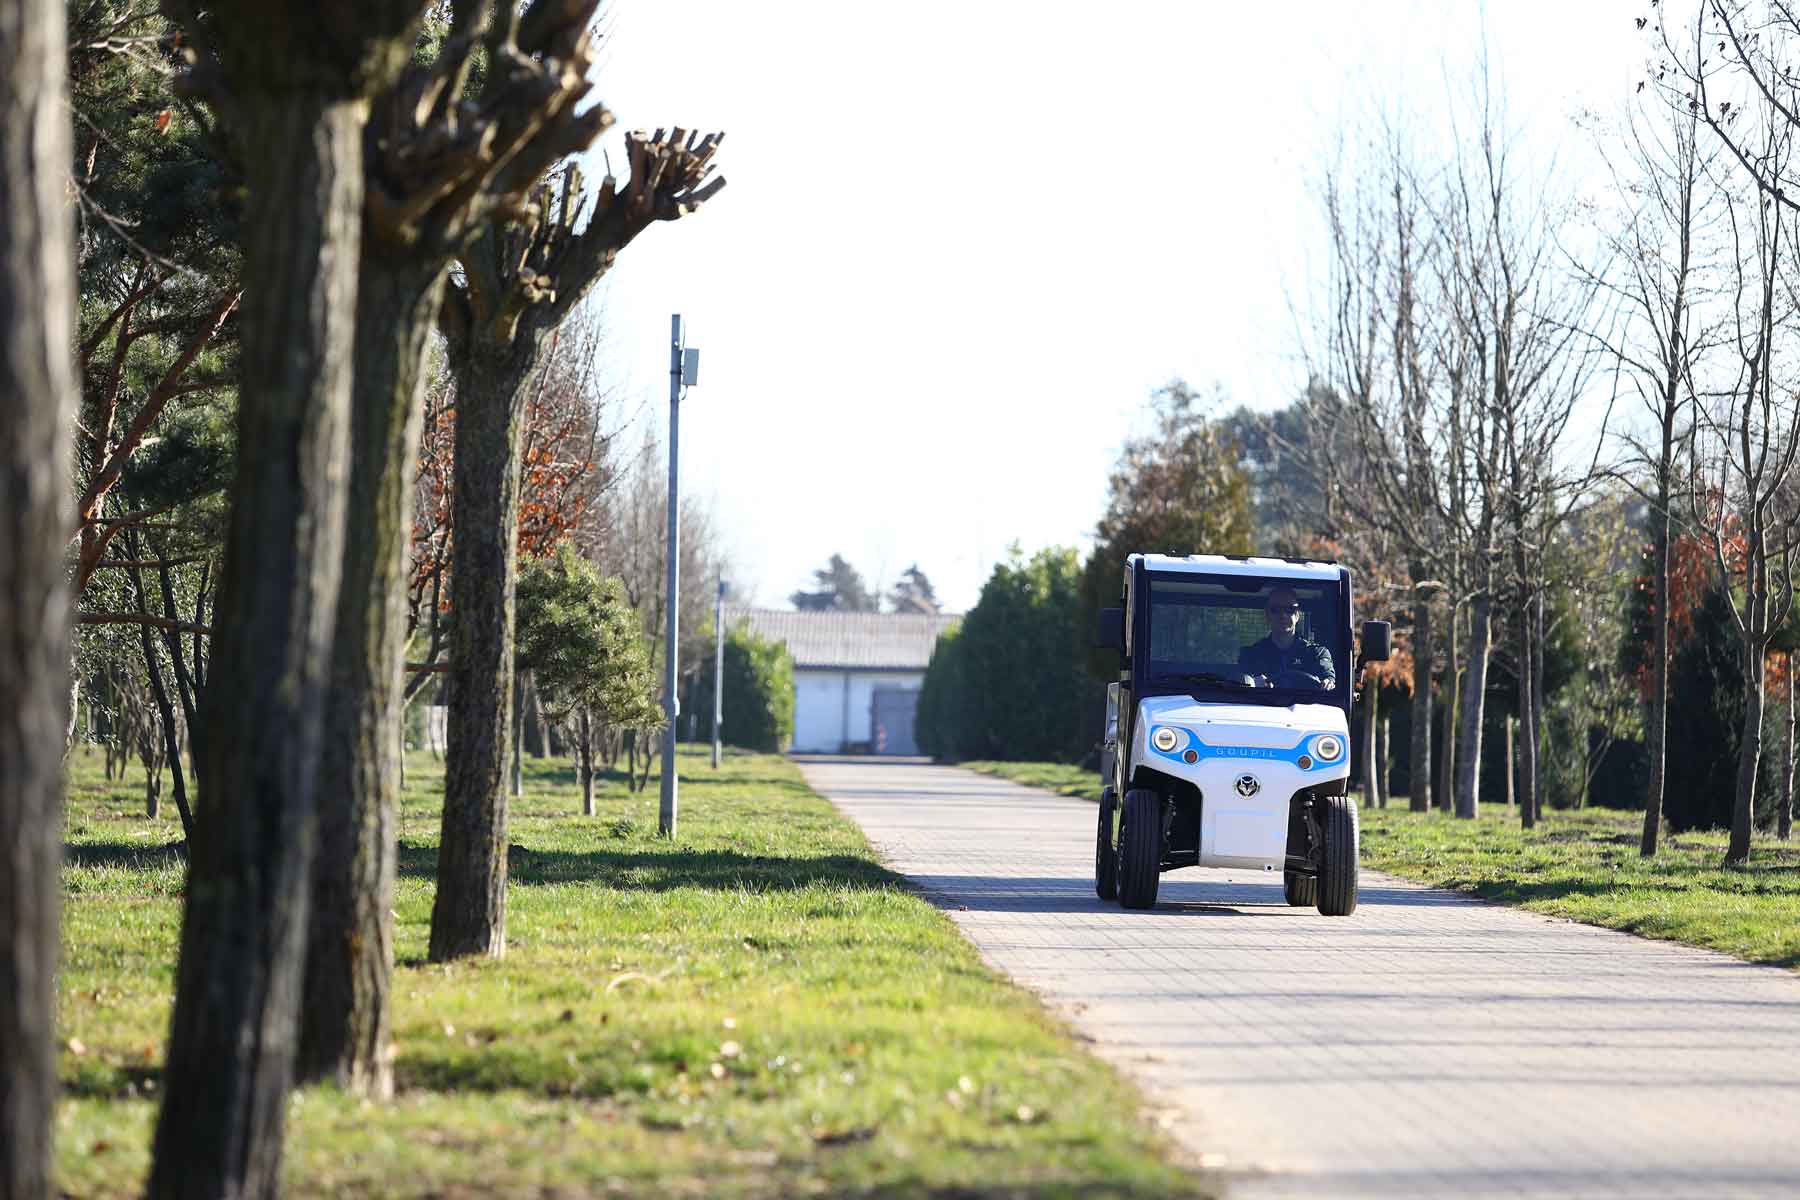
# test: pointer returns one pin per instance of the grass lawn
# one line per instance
(1580, 864)
(759, 1009)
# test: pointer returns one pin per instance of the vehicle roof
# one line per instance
(1238, 564)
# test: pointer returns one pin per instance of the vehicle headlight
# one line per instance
(1164, 739)
(1328, 748)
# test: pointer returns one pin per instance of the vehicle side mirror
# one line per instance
(1111, 633)
(1377, 642)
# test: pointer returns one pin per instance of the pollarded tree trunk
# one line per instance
(37, 403)
(1419, 798)
(1468, 750)
(468, 916)
(231, 1041)
(344, 1030)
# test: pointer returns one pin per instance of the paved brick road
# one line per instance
(1426, 1046)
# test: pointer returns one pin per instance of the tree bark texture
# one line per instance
(344, 1030)
(1419, 797)
(231, 1041)
(468, 916)
(1657, 719)
(37, 404)
(1468, 749)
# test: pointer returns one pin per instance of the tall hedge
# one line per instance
(759, 694)
(1010, 684)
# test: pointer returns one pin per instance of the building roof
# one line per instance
(1222, 564)
(841, 640)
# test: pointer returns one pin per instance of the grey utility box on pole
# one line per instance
(684, 368)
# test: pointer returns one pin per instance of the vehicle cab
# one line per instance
(1228, 728)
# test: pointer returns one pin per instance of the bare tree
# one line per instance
(1665, 185)
(1746, 442)
(1378, 455)
(37, 402)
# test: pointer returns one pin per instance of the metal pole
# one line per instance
(665, 817)
(718, 667)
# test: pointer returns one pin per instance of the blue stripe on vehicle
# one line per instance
(1291, 757)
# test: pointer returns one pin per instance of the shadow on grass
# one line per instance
(136, 856)
(667, 870)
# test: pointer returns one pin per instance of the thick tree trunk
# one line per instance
(1743, 808)
(37, 391)
(231, 1041)
(1468, 750)
(1657, 719)
(469, 914)
(1419, 797)
(344, 1029)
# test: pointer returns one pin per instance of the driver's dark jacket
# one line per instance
(1266, 658)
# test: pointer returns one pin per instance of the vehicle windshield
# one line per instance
(1247, 632)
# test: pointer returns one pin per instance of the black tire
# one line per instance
(1106, 857)
(1337, 871)
(1140, 848)
(1302, 891)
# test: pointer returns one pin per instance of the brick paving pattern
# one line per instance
(1429, 1045)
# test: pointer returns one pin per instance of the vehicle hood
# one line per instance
(1272, 726)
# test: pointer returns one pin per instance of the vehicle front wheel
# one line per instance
(1302, 891)
(1140, 848)
(1106, 857)
(1338, 868)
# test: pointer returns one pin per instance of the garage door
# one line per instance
(891, 713)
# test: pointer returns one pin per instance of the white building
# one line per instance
(856, 675)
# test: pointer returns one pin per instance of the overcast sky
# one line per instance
(963, 242)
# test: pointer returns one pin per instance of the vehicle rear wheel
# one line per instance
(1302, 891)
(1338, 869)
(1140, 848)
(1106, 858)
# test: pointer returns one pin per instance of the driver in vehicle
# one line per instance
(1284, 652)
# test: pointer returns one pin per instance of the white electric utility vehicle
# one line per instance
(1227, 733)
